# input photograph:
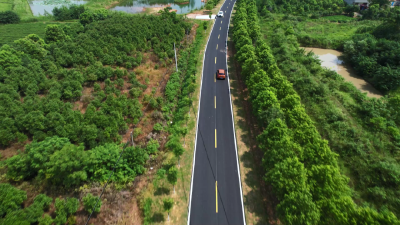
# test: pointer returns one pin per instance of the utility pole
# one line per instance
(176, 61)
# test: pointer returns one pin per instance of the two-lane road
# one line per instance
(216, 194)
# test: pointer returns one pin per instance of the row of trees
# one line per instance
(11, 213)
(298, 163)
(346, 122)
(59, 162)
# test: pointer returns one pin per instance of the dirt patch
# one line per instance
(10, 151)
(259, 202)
(112, 4)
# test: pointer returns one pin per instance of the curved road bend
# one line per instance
(216, 194)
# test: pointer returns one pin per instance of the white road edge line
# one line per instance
(233, 122)
(197, 127)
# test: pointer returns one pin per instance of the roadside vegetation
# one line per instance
(70, 100)
(299, 104)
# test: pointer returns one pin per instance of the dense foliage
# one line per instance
(347, 118)
(11, 212)
(298, 163)
(49, 74)
(9, 17)
(68, 13)
(62, 163)
(377, 60)
(300, 6)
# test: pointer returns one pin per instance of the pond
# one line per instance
(40, 7)
(137, 6)
(331, 60)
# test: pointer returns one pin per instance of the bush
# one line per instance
(9, 17)
(68, 13)
(11, 198)
(89, 201)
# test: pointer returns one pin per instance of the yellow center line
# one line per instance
(221, 21)
(215, 78)
(218, 36)
(215, 101)
(215, 138)
(216, 196)
(215, 60)
(219, 28)
(217, 46)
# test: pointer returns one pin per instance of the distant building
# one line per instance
(357, 2)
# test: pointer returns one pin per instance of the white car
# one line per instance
(220, 14)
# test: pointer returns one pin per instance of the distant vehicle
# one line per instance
(220, 14)
(221, 74)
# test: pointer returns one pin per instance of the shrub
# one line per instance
(89, 201)
(158, 127)
(9, 17)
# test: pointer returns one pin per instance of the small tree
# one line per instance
(89, 201)
(173, 176)
(46, 220)
(9, 17)
(168, 203)
(160, 175)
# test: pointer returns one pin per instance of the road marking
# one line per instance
(218, 36)
(219, 28)
(215, 138)
(216, 196)
(215, 80)
(221, 21)
(215, 59)
(217, 46)
(215, 101)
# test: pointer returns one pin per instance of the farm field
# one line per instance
(11, 32)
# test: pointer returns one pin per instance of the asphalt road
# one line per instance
(216, 196)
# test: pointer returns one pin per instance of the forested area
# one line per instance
(299, 164)
(42, 81)
(346, 118)
(372, 48)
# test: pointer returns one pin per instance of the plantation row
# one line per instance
(38, 78)
(11, 199)
(299, 164)
(345, 117)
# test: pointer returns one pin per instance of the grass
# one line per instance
(11, 32)
(100, 4)
(179, 211)
(5, 6)
(21, 7)
(322, 32)
(339, 18)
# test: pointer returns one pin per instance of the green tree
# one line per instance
(54, 33)
(67, 166)
(9, 17)
(89, 201)
(152, 146)
(11, 198)
(172, 176)
(46, 220)
(168, 203)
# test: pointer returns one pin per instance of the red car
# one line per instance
(221, 74)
